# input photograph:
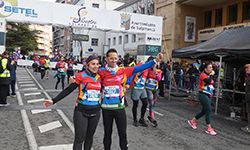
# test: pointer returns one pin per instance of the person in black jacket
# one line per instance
(5, 77)
(191, 73)
(163, 76)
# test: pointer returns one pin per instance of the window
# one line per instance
(94, 42)
(207, 19)
(109, 41)
(120, 39)
(134, 38)
(126, 38)
(114, 40)
(94, 5)
(232, 13)
(218, 16)
(246, 11)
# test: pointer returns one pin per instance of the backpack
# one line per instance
(1, 67)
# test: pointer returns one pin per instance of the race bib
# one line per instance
(61, 70)
(111, 91)
(93, 95)
(152, 82)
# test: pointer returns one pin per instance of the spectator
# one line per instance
(131, 62)
(177, 75)
(191, 74)
(161, 82)
(13, 79)
(5, 77)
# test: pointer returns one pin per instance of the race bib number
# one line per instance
(152, 82)
(93, 95)
(111, 91)
(61, 70)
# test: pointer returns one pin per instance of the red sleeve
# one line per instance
(57, 63)
(78, 78)
(129, 71)
(145, 73)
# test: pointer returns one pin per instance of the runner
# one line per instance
(152, 84)
(205, 95)
(113, 104)
(137, 85)
(87, 110)
(47, 67)
(35, 64)
(42, 64)
(60, 66)
(70, 71)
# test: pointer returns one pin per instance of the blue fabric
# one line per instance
(13, 73)
(130, 79)
(143, 66)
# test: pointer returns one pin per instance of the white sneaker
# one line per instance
(7, 104)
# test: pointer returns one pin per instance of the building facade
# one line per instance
(127, 42)
(189, 22)
(43, 39)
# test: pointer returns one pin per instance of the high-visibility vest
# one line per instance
(221, 73)
(6, 72)
(47, 63)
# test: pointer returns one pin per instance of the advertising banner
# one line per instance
(58, 14)
(190, 27)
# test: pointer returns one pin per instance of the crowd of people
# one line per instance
(102, 86)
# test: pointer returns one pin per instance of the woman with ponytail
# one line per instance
(87, 110)
(205, 95)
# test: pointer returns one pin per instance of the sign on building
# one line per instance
(80, 37)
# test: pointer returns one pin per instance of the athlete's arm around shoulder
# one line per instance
(142, 67)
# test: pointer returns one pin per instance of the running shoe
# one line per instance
(47, 78)
(154, 123)
(149, 119)
(246, 129)
(143, 122)
(192, 124)
(135, 123)
(13, 95)
(7, 104)
(210, 131)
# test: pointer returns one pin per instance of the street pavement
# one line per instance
(26, 125)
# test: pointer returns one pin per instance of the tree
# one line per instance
(126, 56)
(19, 35)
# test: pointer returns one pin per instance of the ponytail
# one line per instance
(203, 66)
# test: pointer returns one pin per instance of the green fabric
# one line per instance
(206, 107)
(59, 74)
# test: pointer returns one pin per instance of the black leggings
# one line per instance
(84, 129)
(42, 72)
(143, 108)
(70, 73)
(3, 93)
(120, 118)
(58, 81)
